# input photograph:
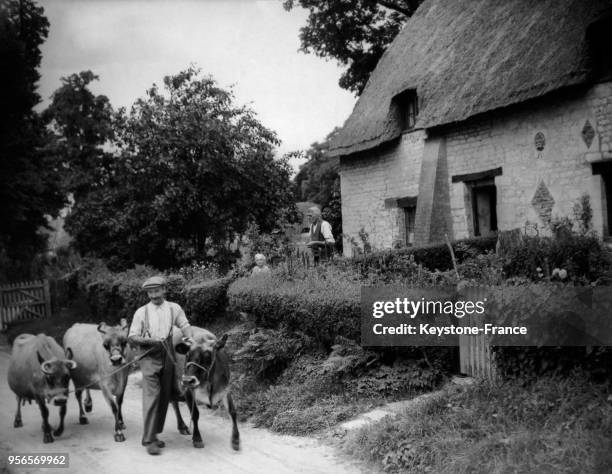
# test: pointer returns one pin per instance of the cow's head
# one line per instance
(199, 360)
(56, 375)
(114, 340)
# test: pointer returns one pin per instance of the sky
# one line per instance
(250, 45)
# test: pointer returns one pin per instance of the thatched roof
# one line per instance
(466, 57)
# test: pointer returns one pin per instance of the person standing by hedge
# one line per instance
(151, 330)
(321, 240)
(260, 268)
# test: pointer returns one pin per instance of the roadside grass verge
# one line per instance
(552, 425)
(315, 391)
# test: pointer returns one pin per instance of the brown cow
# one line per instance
(206, 379)
(38, 371)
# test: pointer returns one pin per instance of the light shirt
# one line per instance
(161, 319)
(326, 231)
(265, 270)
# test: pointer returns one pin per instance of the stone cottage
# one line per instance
(482, 115)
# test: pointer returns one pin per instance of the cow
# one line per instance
(39, 371)
(205, 378)
(100, 352)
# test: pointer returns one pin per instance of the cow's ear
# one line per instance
(220, 344)
(123, 323)
(69, 354)
(102, 328)
(41, 361)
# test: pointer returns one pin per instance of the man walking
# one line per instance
(151, 329)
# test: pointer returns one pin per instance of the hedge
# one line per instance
(112, 296)
(431, 257)
(322, 308)
(206, 301)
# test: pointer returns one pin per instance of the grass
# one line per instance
(554, 425)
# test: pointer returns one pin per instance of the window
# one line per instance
(407, 107)
(409, 217)
(408, 206)
(599, 35)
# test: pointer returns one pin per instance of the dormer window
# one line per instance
(407, 106)
(599, 36)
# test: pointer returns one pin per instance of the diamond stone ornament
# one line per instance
(543, 202)
(588, 133)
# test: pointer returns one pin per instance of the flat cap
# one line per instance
(154, 282)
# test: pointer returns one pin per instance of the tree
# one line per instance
(29, 175)
(191, 171)
(82, 123)
(354, 32)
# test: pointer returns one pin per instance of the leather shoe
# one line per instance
(153, 448)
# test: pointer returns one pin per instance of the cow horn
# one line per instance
(70, 364)
(46, 367)
(100, 326)
(123, 323)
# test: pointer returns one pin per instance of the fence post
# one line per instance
(47, 295)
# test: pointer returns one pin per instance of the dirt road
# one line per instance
(92, 448)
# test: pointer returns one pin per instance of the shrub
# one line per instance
(268, 352)
(582, 256)
(206, 301)
(431, 257)
(112, 296)
(321, 305)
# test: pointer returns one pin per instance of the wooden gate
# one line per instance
(24, 301)
(475, 356)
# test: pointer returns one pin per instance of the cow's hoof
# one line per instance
(119, 437)
(58, 432)
(198, 444)
(83, 420)
(88, 406)
(121, 425)
(47, 438)
(236, 444)
(17, 424)
(184, 430)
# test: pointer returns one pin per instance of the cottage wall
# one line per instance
(367, 181)
(504, 139)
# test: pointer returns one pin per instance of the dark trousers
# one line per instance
(158, 381)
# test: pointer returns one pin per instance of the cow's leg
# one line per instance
(18, 423)
(62, 414)
(180, 424)
(195, 416)
(110, 400)
(44, 411)
(88, 402)
(119, 413)
(82, 418)
(229, 406)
